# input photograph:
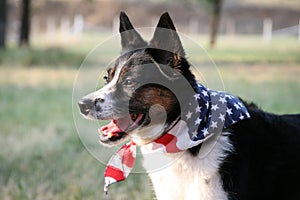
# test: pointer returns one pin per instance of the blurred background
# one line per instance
(255, 44)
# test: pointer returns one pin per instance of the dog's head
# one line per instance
(137, 97)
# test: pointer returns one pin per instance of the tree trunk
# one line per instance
(217, 7)
(3, 7)
(25, 23)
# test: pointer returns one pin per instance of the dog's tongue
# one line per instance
(116, 126)
(120, 125)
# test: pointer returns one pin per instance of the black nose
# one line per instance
(85, 105)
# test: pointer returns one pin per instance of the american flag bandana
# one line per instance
(208, 112)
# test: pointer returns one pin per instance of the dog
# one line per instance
(255, 156)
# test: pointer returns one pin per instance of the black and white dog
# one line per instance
(256, 156)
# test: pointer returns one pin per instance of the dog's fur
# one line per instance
(257, 158)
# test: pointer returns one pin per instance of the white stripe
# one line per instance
(107, 182)
(183, 139)
(116, 161)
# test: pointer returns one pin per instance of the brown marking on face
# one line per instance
(149, 96)
(124, 70)
(176, 60)
(111, 73)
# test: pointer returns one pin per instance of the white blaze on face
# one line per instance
(107, 89)
(105, 93)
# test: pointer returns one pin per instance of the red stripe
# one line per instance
(115, 173)
(126, 154)
(128, 158)
(169, 141)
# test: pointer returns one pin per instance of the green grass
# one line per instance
(249, 50)
(273, 88)
(53, 56)
(42, 156)
(245, 50)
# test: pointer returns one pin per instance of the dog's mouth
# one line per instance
(119, 128)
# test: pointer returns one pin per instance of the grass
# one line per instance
(240, 50)
(273, 88)
(249, 50)
(42, 156)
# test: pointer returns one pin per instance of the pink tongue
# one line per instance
(116, 126)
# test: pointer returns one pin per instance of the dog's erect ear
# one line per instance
(130, 38)
(166, 38)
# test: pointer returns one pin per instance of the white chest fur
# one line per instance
(187, 177)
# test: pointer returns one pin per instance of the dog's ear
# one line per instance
(130, 38)
(166, 39)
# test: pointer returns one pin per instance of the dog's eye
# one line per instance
(128, 82)
(105, 78)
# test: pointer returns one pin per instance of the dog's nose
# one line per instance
(100, 100)
(85, 105)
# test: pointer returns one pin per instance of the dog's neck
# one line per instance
(174, 175)
(152, 132)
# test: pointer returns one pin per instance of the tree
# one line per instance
(3, 7)
(215, 7)
(25, 23)
(216, 13)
